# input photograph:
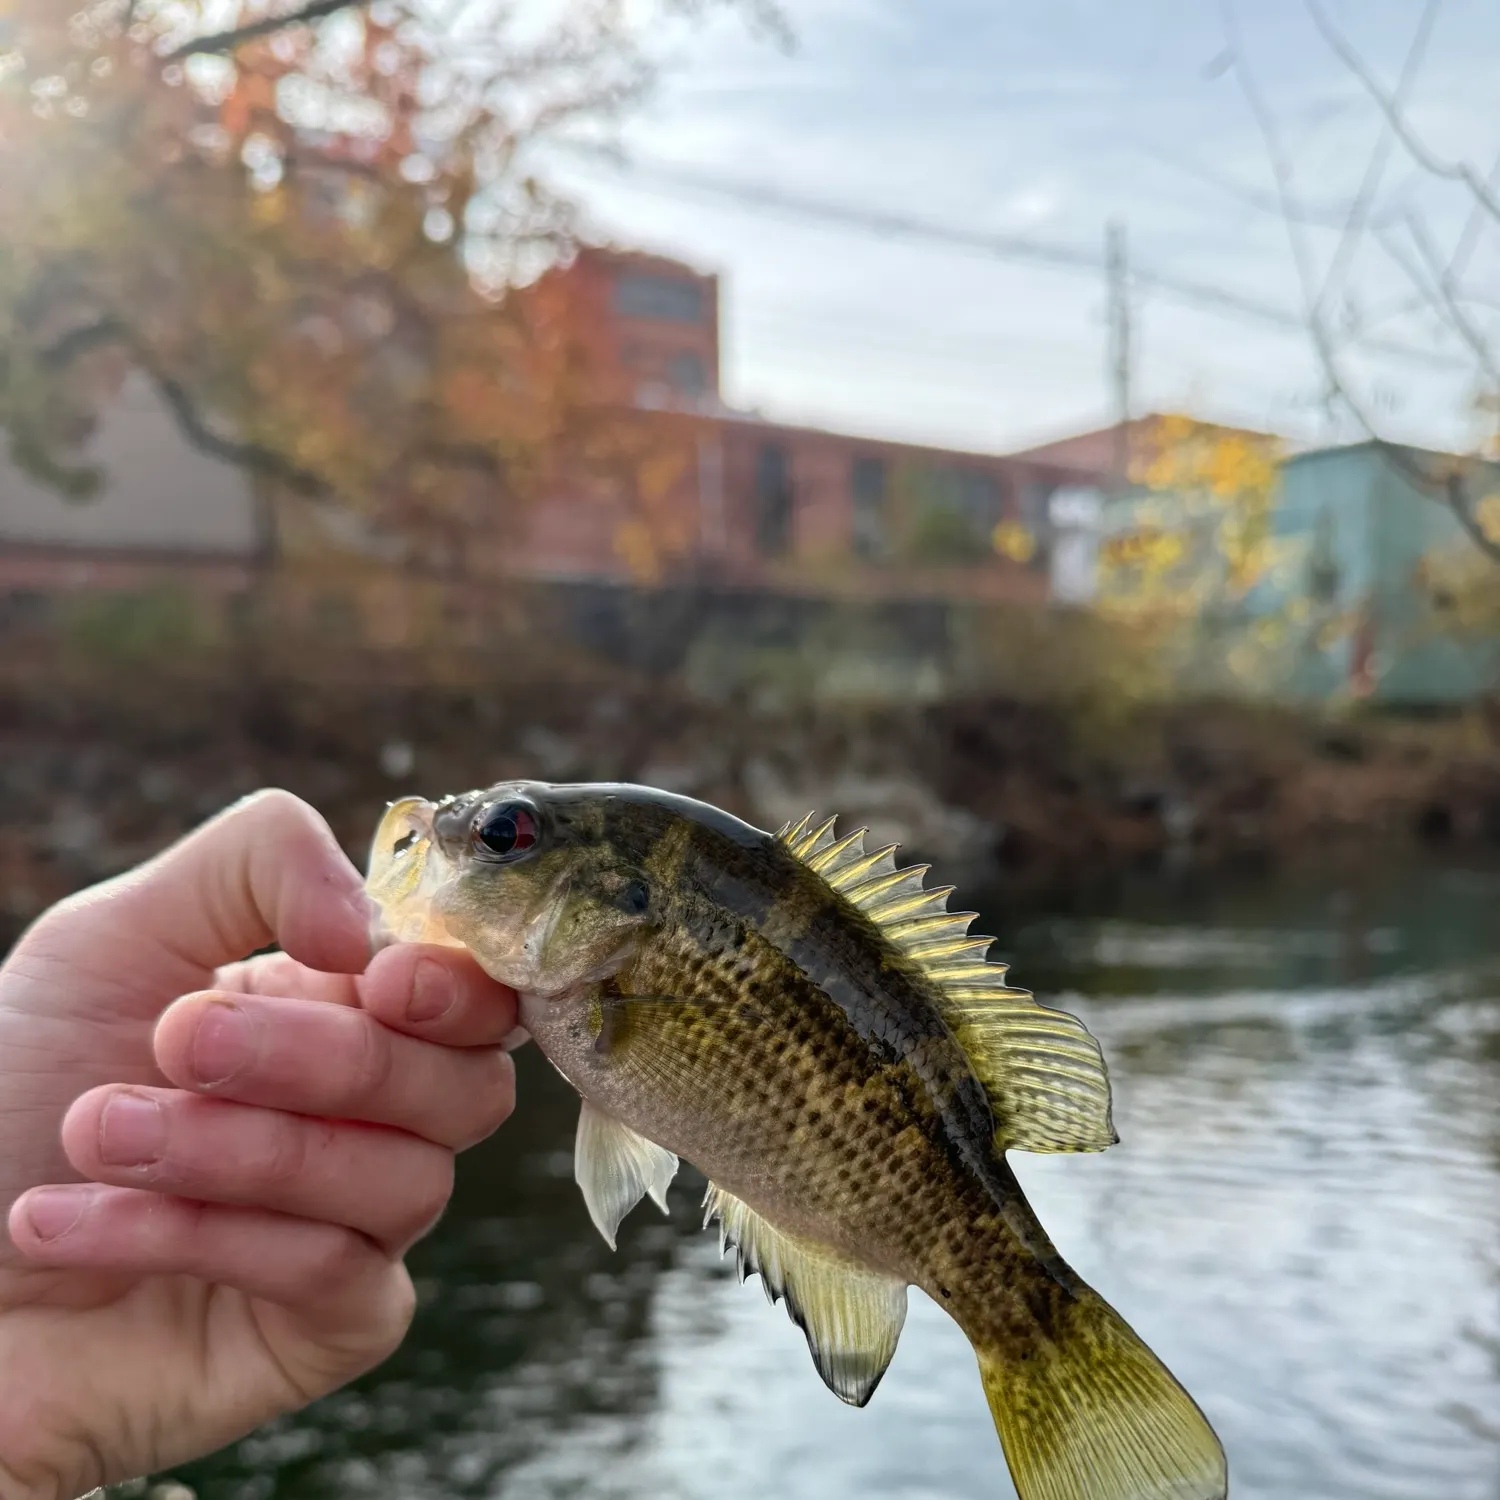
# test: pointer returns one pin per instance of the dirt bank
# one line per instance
(95, 776)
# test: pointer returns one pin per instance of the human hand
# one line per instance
(210, 1196)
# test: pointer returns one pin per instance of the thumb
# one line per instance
(266, 870)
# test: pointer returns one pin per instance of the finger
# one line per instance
(440, 994)
(281, 974)
(336, 1278)
(385, 1184)
(267, 870)
(333, 1062)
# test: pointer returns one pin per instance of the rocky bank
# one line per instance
(95, 776)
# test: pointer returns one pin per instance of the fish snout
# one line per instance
(451, 820)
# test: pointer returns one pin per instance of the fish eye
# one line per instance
(507, 832)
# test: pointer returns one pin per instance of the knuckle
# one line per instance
(403, 1302)
(494, 1098)
(289, 1145)
(372, 1065)
(338, 1257)
(272, 805)
(394, 1309)
(425, 1201)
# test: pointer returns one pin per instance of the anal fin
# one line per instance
(852, 1316)
(616, 1167)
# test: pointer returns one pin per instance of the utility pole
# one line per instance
(1117, 270)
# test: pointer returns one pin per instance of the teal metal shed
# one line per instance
(1358, 528)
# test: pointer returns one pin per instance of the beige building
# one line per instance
(163, 506)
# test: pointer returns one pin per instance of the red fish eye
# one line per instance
(507, 831)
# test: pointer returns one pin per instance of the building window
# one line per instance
(686, 374)
(1322, 567)
(26, 609)
(773, 501)
(336, 618)
(981, 500)
(952, 513)
(240, 613)
(867, 488)
(658, 299)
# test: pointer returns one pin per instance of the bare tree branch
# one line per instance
(1468, 239)
(1447, 290)
(227, 41)
(191, 422)
(252, 456)
(1359, 209)
(1281, 173)
(472, 456)
(1416, 148)
(1455, 492)
(79, 341)
(1328, 214)
(1449, 488)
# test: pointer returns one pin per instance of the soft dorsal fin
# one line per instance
(852, 1316)
(1043, 1071)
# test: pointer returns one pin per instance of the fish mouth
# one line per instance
(408, 867)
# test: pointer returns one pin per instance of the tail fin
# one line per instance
(1091, 1414)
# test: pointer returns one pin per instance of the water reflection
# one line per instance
(1302, 1218)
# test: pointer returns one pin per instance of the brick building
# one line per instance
(751, 502)
(690, 491)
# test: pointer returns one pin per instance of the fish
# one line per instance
(807, 1024)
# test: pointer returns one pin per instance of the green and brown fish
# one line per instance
(810, 1027)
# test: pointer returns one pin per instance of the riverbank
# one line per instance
(97, 775)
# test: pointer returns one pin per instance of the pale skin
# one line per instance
(211, 1168)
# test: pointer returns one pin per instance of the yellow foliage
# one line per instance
(304, 278)
(1014, 541)
(1201, 534)
(638, 550)
(1459, 586)
(1487, 513)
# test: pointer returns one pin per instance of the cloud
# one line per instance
(1044, 116)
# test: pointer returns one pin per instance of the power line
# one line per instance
(1022, 249)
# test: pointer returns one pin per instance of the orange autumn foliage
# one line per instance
(307, 238)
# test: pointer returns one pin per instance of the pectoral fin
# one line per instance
(616, 1168)
(852, 1316)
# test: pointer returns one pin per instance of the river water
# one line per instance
(1301, 1218)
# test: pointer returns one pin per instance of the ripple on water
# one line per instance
(1301, 1218)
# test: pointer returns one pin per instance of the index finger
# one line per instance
(266, 870)
(439, 994)
(428, 990)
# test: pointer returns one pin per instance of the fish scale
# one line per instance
(809, 1025)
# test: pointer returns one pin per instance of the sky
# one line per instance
(1046, 119)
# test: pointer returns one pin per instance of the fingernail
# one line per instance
(224, 1044)
(52, 1212)
(434, 992)
(132, 1131)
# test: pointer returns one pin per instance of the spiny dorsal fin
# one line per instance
(1043, 1071)
(852, 1316)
